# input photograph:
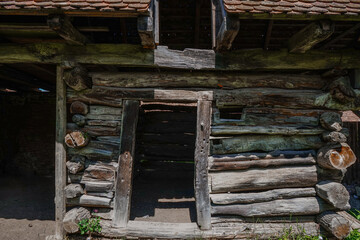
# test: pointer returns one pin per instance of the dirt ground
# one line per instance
(26, 208)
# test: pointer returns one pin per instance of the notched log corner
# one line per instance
(76, 139)
(77, 78)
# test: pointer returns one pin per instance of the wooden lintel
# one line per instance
(123, 182)
(62, 25)
(310, 35)
(229, 28)
(145, 26)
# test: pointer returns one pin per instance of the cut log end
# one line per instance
(78, 107)
(336, 157)
(76, 139)
(331, 121)
(334, 224)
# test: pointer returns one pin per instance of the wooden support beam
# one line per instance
(60, 154)
(202, 144)
(336, 39)
(62, 25)
(123, 184)
(310, 35)
(145, 26)
(228, 30)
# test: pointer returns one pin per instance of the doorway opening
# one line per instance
(163, 180)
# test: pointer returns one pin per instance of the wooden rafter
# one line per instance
(62, 25)
(347, 32)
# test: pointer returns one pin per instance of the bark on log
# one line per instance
(334, 193)
(334, 137)
(269, 130)
(335, 175)
(266, 143)
(105, 110)
(76, 164)
(280, 207)
(100, 172)
(73, 217)
(232, 198)
(334, 224)
(73, 190)
(338, 156)
(201, 79)
(264, 179)
(78, 107)
(331, 121)
(77, 78)
(76, 139)
(79, 120)
(89, 201)
(354, 223)
(98, 186)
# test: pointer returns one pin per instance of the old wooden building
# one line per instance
(229, 109)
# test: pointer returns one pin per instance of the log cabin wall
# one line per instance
(273, 137)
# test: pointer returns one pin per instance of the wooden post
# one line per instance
(123, 184)
(202, 197)
(60, 154)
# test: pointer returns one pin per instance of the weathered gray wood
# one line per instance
(104, 117)
(335, 224)
(73, 217)
(334, 193)
(77, 78)
(101, 130)
(60, 153)
(73, 190)
(103, 123)
(354, 223)
(98, 186)
(187, 59)
(232, 198)
(280, 207)
(145, 27)
(101, 194)
(104, 213)
(269, 130)
(341, 89)
(335, 175)
(331, 121)
(236, 162)
(201, 164)
(101, 171)
(263, 179)
(74, 167)
(98, 151)
(79, 120)
(339, 156)
(141, 229)
(248, 143)
(123, 183)
(76, 139)
(62, 25)
(89, 201)
(310, 35)
(207, 79)
(227, 33)
(228, 219)
(104, 110)
(78, 107)
(334, 137)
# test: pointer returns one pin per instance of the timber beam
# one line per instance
(310, 35)
(145, 26)
(62, 25)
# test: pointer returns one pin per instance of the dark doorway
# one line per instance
(163, 183)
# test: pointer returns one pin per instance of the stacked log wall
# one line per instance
(263, 165)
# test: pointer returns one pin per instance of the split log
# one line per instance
(103, 123)
(334, 137)
(255, 160)
(76, 139)
(98, 186)
(334, 193)
(101, 194)
(105, 110)
(77, 78)
(201, 79)
(263, 179)
(266, 143)
(310, 35)
(338, 156)
(78, 107)
(280, 207)
(89, 201)
(254, 197)
(331, 121)
(104, 172)
(335, 175)
(76, 164)
(73, 190)
(354, 223)
(79, 120)
(73, 217)
(334, 224)
(269, 130)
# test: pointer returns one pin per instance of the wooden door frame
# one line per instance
(123, 182)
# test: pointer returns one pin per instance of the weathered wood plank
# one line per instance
(60, 154)
(123, 183)
(187, 59)
(232, 198)
(267, 143)
(201, 164)
(263, 179)
(334, 193)
(203, 79)
(89, 201)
